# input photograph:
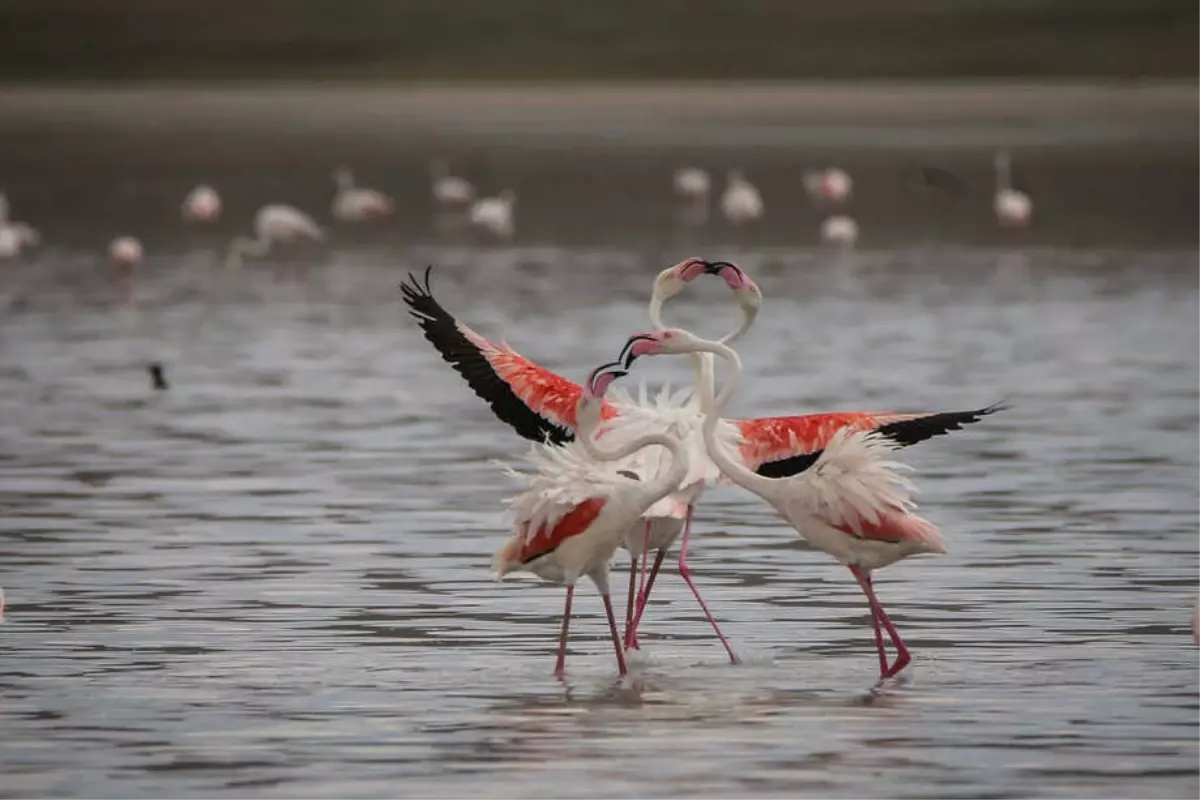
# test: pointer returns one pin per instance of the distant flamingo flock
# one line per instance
(609, 471)
(279, 226)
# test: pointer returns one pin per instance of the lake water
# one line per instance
(273, 579)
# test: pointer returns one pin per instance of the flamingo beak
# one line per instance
(629, 353)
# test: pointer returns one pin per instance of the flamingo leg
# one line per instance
(686, 574)
(903, 657)
(631, 640)
(629, 606)
(616, 637)
(561, 664)
(637, 618)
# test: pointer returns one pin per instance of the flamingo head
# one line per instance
(669, 341)
(745, 291)
(591, 401)
(671, 280)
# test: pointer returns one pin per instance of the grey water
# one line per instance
(272, 579)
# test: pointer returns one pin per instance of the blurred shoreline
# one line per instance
(937, 114)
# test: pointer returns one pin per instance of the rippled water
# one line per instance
(272, 580)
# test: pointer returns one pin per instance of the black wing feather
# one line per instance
(442, 331)
(904, 433)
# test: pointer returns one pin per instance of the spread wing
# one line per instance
(539, 404)
(776, 447)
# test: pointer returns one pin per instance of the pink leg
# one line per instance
(561, 664)
(645, 595)
(616, 637)
(629, 607)
(686, 574)
(902, 655)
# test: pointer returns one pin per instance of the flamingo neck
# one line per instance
(654, 490)
(713, 408)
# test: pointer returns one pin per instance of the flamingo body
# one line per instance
(450, 190)
(741, 203)
(692, 183)
(495, 214)
(1013, 207)
(125, 251)
(356, 205)
(830, 185)
(201, 205)
(840, 231)
(16, 238)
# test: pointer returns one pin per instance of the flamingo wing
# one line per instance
(539, 404)
(778, 447)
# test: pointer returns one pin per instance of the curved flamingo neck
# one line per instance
(713, 409)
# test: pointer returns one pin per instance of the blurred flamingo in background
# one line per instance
(274, 225)
(831, 185)
(354, 204)
(495, 214)
(201, 205)
(741, 202)
(839, 230)
(1013, 208)
(450, 191)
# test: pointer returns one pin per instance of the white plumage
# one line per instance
(449, 190)
(741, 202)
(495, 214)
(202, 204)
(15, 238)
(125, 251)
(692, 183)
(274, 224)
(355, 204)
(1013, 208)
(840, 231)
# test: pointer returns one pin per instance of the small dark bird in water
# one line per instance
(157, 379)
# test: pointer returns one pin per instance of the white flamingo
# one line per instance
(15, 237)
(579, 505)
(829, 185)
(741, 202)
(449, 191)
(274, 225)
(356, 205)
(851, 503)
(692, 183)
(840, 231)
(125, 252)
(1014, 208)
(201, 205)
(495, 214)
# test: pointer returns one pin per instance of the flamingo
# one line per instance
(16, 238)
(573, 516)
(1013, 208)
(355, 205)
(665, 520)
(449, 190)
(274, 225)
(839, 231)
(495, 214)
(741, 202)
(856, 507)
(691, 183)
(539, 403)
(830, 185)
(125, 252)
(201, 205)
